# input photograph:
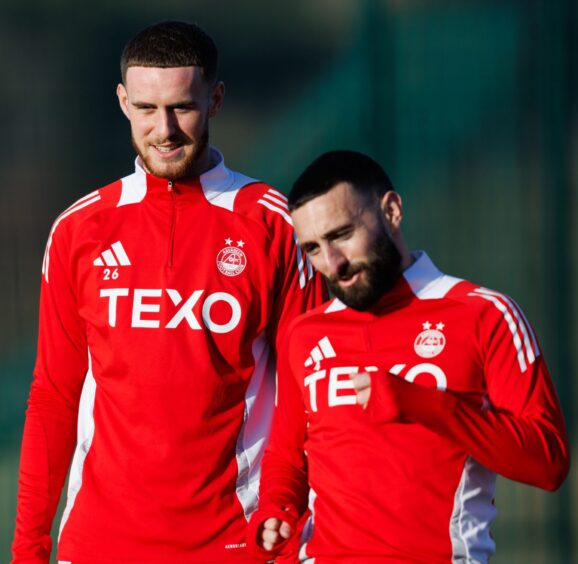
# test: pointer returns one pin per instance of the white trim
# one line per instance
(473, 514)
(273, 198)
(335, 305)
(223, 194)
(532, 349)
(221, 185)
(425, 280)
(309, 268)
(512, 326)
(279, 194)
(258, 414)
(280, 211)
(529, 327)
(308, 530)
(134, 186)
(81, 200)
(82, 203)
(300, 265)
(303, 264)
(85, 435)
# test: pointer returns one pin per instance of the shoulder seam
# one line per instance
(83, 202)
(523, 336)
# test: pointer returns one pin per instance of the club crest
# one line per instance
(430, 342)
(231, 260)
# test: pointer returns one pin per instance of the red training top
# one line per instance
(460, 393)
(161, 305)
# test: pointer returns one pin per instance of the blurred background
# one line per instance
(470, 106)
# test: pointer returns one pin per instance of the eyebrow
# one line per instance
(330, 235)
(337, 231)
(180, 104)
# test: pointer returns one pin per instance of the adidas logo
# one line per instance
(115, 256)
(324, 349)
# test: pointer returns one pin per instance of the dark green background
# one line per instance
(470, 106)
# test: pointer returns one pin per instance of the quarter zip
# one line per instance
(173, 223)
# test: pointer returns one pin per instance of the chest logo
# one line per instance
(430, 342)
(231, 260)
(112, 258)
(115, 255)
(324, 349)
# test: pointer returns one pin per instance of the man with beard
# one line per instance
(401, 400)
(164, 297)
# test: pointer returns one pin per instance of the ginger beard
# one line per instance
(379, 272)
(181, 167)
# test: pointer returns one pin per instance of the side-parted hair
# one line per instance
(362, 172)
(172, 44)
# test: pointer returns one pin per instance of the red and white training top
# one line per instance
(161, 306)
(414, 481)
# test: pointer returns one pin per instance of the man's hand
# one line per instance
(381, 395)
(272, 532)
(362, 385)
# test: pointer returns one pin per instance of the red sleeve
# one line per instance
(517, 430)
(299, 287)
(283, 487)
(50, 426)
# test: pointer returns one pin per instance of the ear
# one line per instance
(392, 209)
(217, 98)
(123, 99)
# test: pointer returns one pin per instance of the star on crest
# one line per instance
(240, 244)
(228, 241)
(440, 326)
(426, 326)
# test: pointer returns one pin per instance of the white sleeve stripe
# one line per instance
(69, 211)
(280, 211)
(301, 260)
(275, 200)
(80, 201)
(299, 263)
(525, 324)
(309, 268)
(278, 194)
(532, 349)
(532, 334)
(511, 326)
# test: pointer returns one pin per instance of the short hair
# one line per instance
(172, 44)
(362, 172)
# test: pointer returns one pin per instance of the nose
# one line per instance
(334, 260)
(166, 124)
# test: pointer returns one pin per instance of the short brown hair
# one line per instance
(172, 44)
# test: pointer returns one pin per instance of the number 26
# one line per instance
(110, 275)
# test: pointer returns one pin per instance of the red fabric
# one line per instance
(177, 339)
(460, 392)
(527, 448)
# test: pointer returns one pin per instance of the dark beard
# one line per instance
(183, 169)
(382, 268)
